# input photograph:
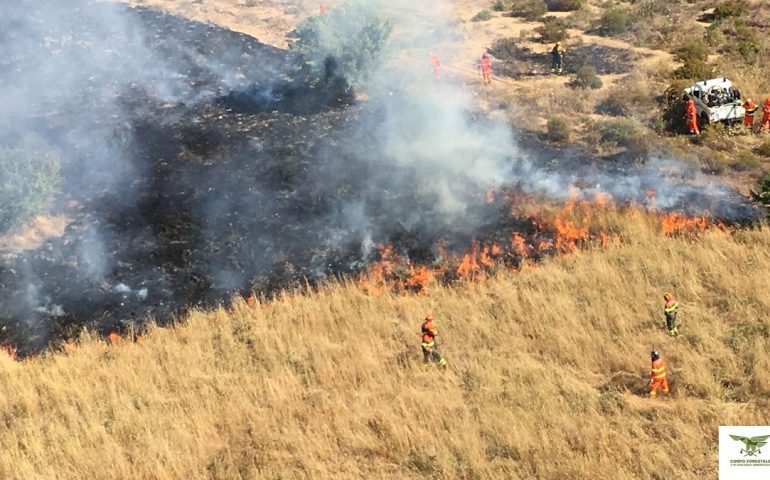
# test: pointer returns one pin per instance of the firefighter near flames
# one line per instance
(430, 351)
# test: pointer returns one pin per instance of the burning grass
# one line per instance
(584, 221)
(329, 384)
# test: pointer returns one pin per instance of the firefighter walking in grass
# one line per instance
(751, 109)
(669, 309)
(765, 125)
(658, 375)
(429, 347)
(486, 68)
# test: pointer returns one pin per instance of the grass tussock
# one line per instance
(547, 367)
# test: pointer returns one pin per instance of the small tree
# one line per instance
(482, 16)
(552, 31)
(586, 77)
(30, 176)
(529, 9)
(342, 43)
(558, 129)
(614, 21)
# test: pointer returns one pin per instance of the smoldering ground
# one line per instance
(202, 163)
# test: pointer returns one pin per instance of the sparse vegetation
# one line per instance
(762, 193)
(746, 160)
(729, 8)
(30, 176)
(626, 133)
(564, 5)
(764, 148)
(614, 21)
(559, 129)
(529, 9)
(502, 5)
(586, 77)
(290, 390)
(482, 16)
(552, 31)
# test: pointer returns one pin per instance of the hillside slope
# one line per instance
(546, 374)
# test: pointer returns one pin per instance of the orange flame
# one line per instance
(114, 339)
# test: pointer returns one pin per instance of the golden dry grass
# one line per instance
(546, 369)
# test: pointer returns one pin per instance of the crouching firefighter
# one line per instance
(429, 348)
(658, 375)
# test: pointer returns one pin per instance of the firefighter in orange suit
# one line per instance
(765, 125)
(751, 109)
(429, 348)
(691, 117)
(658, 375)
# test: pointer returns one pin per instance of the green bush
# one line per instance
(762, 193)
(345, 41)
(558, 129)
(502, 5)
(552, 31)
(30, 177)
(626, 133)
(764, 148)
(745, 160)
(529, 9)
(482, 16)
(695, 70)
(730, 8)
(586, 77)
(693, 50)
(614, 21)
(564, 5)
(672, 106)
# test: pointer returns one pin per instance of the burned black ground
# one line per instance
(246, 182)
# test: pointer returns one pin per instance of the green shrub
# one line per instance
(529, 9)
(558, 129)
(744, 42)
(764, 148)
(501, 5)
(673, 106)
(346, 41)
(693, 50)
(614, 21)
(482, 16)
(762, 193)
(729, 8)
(586, 77)
(564, 5)
(745, 160)
(626, 133)
(30, 177)
(552, 31)
(695, 70)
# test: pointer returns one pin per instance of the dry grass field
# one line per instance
(546, 377)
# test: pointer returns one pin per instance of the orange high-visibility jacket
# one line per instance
(429, 331)
(751, 108)
(658, 370)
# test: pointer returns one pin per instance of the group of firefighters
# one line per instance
(658, 374)
(691, 116)
(485, 64)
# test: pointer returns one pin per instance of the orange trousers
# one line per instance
(660, 383)
(765, 125)
(748, 121)
(692, 125)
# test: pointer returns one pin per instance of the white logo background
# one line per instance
(734, 465)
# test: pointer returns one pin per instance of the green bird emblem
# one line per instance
(752, 444)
